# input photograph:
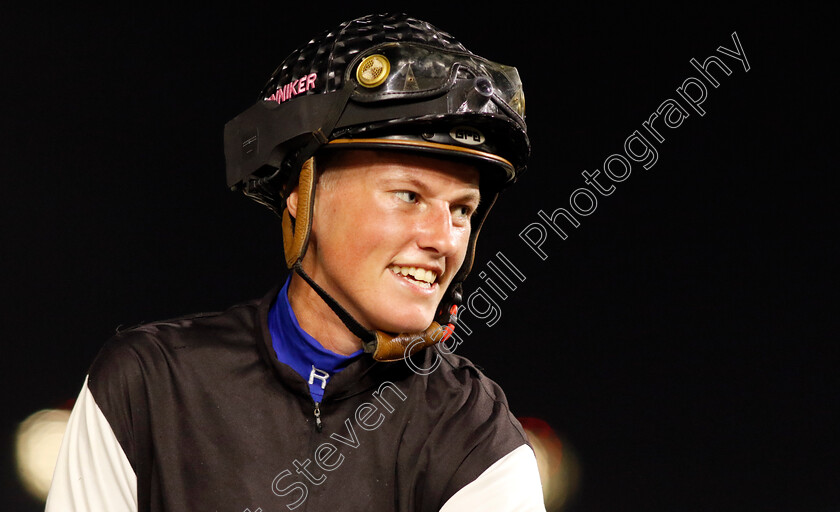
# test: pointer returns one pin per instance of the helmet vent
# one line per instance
(373, 70)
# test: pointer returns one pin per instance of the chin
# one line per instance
(404, 322)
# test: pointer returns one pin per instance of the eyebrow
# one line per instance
(471, 195)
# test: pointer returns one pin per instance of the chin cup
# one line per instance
(385, 347)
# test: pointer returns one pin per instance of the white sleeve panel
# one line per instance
(92, 473)
(511, 484)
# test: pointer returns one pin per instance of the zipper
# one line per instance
(318, 425)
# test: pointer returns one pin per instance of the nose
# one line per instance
(437, 232)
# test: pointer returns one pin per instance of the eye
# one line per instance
(407, 196)
(463, 211)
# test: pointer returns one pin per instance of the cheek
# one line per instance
(464, 240)
(463, 243)
(360, 234)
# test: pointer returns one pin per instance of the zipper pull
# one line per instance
(318, 425)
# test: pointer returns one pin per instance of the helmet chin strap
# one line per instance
(383, 346)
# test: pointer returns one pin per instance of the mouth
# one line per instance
(418, 276)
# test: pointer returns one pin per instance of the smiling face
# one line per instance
(390, 230)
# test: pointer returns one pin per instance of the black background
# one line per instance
(682, 340)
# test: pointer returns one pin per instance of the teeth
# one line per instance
(419, 274)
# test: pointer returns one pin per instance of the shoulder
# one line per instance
(462, 384)
(149, 372)
(462, 370)
(465, 422)
(147, 363)
(481, 401)
(153, 347)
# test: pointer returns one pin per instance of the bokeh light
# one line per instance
(37, 442)
(557, 463)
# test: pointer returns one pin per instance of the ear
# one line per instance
(292, 203)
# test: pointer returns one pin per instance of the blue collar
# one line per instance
(297, 349)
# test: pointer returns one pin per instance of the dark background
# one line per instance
(682, 341)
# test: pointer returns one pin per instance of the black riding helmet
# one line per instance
(386, 82)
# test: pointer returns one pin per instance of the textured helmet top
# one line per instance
(329, 54)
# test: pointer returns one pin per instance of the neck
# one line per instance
(316, 318)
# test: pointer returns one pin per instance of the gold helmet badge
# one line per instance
(373, 70)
